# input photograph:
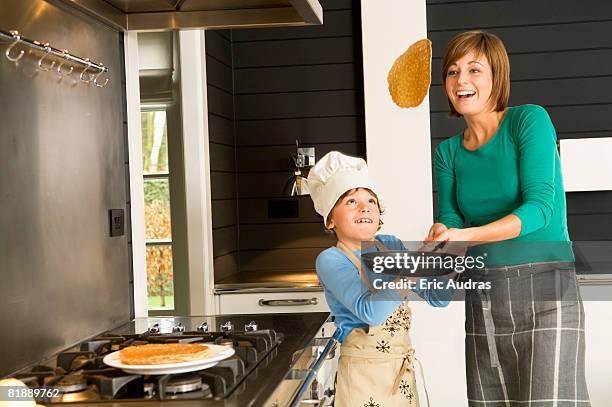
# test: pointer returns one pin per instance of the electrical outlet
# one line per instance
(117, 222)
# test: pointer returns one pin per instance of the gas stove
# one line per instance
(266, 347)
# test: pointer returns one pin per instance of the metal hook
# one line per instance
(40, 61)
(85, 70)
(98, 76)
(17, 38)
(59, 67)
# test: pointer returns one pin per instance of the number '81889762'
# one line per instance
(18, 393)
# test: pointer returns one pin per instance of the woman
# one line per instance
(500, 181)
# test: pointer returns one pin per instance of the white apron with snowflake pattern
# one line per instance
(376, 367)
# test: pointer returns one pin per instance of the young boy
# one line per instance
(376, 362)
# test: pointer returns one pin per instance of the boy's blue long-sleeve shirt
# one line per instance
(351, 301)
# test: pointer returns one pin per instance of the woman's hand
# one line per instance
(435, 230)
(455, 235)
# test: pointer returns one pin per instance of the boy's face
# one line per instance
(356, 217)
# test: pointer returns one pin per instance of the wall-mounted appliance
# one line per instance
(586, 164)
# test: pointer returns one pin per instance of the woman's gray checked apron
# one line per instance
(525, 341)
(376, 367)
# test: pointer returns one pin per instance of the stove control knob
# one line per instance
(154, 329)
(203, 327)
(178, 327)
(227, 327)
(251, 327)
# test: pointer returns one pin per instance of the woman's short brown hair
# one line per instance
(489, 45)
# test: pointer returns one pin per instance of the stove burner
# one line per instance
(71, 383)
(72, 388)
(184, 383)
(89, 394)
(226, 342)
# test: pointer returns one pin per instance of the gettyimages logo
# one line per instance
(413, 262)
(418, 259)
(432, 266)
(519, 270)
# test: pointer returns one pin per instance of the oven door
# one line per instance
(311, 381)
(323, 388)
(319, 387)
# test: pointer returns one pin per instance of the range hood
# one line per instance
(159, 15)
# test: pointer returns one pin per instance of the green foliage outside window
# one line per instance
(160, 276)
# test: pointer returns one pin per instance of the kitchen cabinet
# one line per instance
(271, 302)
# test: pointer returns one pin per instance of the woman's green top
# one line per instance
(518, 172)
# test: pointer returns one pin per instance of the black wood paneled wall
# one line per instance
(560, 58)
(222, 145)
(298, 83)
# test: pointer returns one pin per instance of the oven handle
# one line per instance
(331, 345)
(288, 302)
(317, 403)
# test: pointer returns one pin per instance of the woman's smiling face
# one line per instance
(469, 82)
(356, 217)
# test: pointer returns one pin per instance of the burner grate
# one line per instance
(82, 376)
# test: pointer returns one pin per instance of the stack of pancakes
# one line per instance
(162, 353)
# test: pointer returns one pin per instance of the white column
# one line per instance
(194, 109)
(397, 140)
(136, 180)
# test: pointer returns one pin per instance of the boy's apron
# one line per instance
(376, 367)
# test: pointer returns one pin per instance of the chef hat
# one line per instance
(332, 176)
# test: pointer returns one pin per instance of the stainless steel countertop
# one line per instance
(269, 281)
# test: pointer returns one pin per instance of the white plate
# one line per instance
(219, 353)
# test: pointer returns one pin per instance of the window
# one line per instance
(158, 230)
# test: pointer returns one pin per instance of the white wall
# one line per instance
(397, 140)
(438, 336)
(598, 334)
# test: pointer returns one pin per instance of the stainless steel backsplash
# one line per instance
(63, 164)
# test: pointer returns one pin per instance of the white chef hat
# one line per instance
(332, 176)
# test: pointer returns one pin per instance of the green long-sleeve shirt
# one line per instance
(516, 172)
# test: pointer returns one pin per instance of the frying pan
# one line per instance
(431, 263)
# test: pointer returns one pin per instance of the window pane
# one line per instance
(160, 283)
(157, 209)
(154, 142)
